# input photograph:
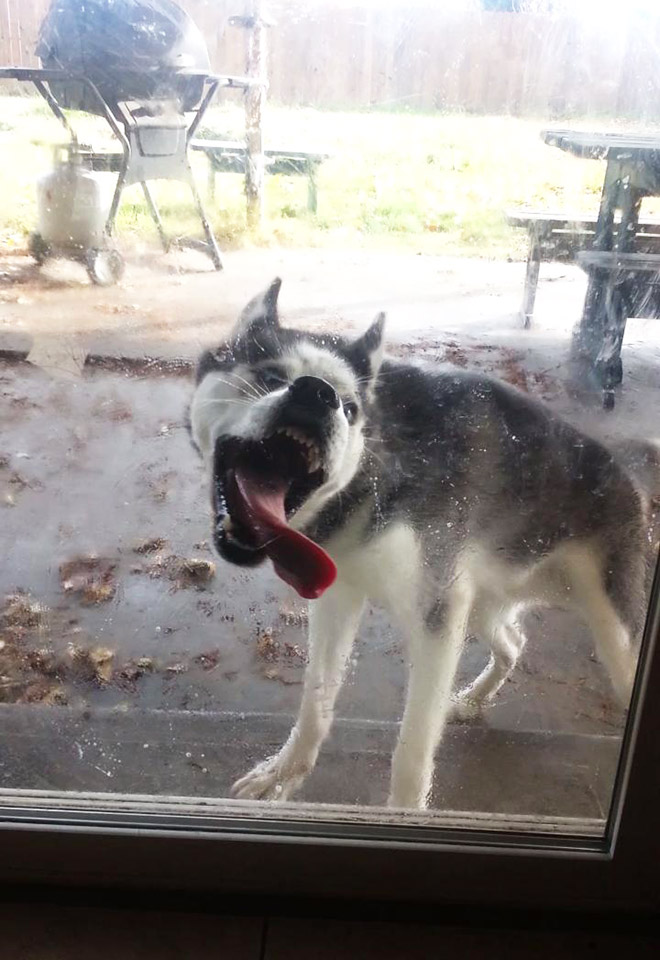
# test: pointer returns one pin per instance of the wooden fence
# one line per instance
(423, 57)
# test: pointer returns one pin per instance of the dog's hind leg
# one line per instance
(589, 597)
(498, 628)
(333, 623)
(434, 651)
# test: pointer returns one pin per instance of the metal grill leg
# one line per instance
(155, 215)
(213, 248)
(114, 206)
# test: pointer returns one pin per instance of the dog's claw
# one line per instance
(267, 781)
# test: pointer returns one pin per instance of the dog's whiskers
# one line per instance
(256, 390)
(206, 403)
(240, 390)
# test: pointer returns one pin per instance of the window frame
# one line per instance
(60, 845)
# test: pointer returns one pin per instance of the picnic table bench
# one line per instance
(623, 273)
(562, 236)
(227, 156)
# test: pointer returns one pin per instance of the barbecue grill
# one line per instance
(129, 49)
(143, 66)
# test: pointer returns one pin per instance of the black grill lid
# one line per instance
(130, 49)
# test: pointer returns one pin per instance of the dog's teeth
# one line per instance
(228, 524)
(309, 446)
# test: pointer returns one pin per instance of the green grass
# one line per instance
(431, 183)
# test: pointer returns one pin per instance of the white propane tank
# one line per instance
(71, 207)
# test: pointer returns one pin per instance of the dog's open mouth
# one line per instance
(257, 486)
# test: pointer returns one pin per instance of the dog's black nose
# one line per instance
(314, 393)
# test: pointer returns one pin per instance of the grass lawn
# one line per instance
(431, 183)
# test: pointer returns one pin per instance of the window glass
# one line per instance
(329, 401)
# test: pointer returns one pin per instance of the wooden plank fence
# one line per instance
(424, 58)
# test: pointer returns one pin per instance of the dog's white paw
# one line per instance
(272, 779)
(464, 710)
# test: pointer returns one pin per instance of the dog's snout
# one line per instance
(314, 393)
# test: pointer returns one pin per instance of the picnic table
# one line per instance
(623, 281)
(228, 156)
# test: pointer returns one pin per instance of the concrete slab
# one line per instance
(192, 754)
(176, 304)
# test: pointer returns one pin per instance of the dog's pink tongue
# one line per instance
(297, 560)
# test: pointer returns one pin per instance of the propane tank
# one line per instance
(71, 206)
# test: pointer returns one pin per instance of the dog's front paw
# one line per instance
(272, 779)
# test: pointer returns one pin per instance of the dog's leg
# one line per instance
(611, 638)
(490, 623)
(333, 623)
(434, 655)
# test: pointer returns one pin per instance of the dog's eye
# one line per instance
(350, 411)
(271, 378)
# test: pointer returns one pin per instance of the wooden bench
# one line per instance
(562, 237)
(625, 285)
(226, 156)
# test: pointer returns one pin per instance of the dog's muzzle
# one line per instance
(259, 484)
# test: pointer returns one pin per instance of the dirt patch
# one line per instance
(268, 648)
(152, 545)
(511, 371)
(183, 572)
(294, 617)
(61, 666)
(92, 665)
(132, 671)
(91, 579)
(20, 611)
(456, 355)
(512, 366)
(208, 660)
(283, 661)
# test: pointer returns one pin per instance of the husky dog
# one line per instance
(451, 499)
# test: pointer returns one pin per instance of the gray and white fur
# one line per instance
(449, 498)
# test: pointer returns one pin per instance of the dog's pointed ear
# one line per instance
(366, 353)
(261, 311)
